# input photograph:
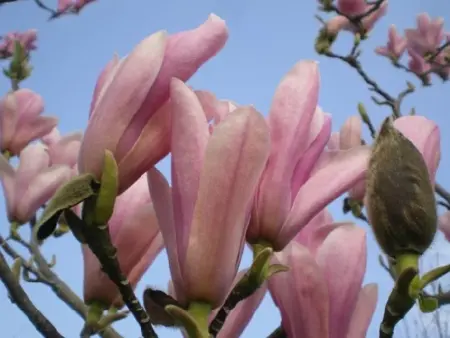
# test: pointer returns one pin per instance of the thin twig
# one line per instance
(21, 299)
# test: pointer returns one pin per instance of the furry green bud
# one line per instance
(400, 196)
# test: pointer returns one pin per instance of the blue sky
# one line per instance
(266, 40)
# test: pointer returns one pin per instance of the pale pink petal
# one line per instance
(162, 202)
(337, 176)
(66, 150)
(189, 139)
(234, 160)
(364, 309)
(8, 119)
(26, 133)
(350, 134)
(342, 257)
(40, 191)
(104, 79)
(443, 222)
(52, 137)
(33, 160)
(322, 218)
(242, 314)
(333, 142)
(290, 117)
(301, 294)
(7, 176)
(425, 135)
(29, 105)
(121, 100)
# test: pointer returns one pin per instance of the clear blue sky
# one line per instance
(266, 39)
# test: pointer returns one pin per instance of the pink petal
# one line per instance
(26, 133)
(154, 142)
(235, 157)
(7, 176)
(52, 137)
(301, 294)
(364, 309)
(8, 119)
(185, 53)
(443, 222)
(104, 79)
(162, 202)
(120, 102)
(350, 134)
(40, 190)
(290, 117)
(342, 257)
(242, 314)
(425, 135)
(339, 174)
(306, 164)
(189, 139)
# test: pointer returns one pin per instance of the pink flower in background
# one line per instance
(135, 233)
(395, 46)
(27, 39)
(352, 7)
(80, 4)
(32, 184)
(20, 120)
(204, 217)
(339, 22)
(428, 35)
(64, 5)
(418, 65)
(293, 189)
(130, 115)
(63, 149)
(321, 294)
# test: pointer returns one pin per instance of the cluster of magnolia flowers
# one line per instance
(422, 43)
(237, 179)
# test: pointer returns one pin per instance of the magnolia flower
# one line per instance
(418, 65)
(292, 190)
(27, 39)
(64, 5)
(321, 294)
(352, 7)
(63, 149)
(129, 114)
(395, 46)
(204, 217)
(20, 120)
(135, 234)
(32, 184)
(428, 35)
(339, 22)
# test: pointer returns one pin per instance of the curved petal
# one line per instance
(234, 160)
(40, 190)
(120, 101)
(340, 173)
(301, 294)
(342, 258)
(364, 309)
(189, 139)
(162, 202)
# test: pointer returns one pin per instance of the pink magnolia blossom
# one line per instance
(321, 294)
(27, 39)
(339, 22)
(135, 234)
(80, 4)
(204, 217)
(63, 149)
(352, 7)
(293, 189)
(130, 113)
(20, 120)
(32, 184)
(395, 46)
(428, 35)
(418, 65)
(64, 5)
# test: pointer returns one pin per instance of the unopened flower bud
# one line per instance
(400, 197)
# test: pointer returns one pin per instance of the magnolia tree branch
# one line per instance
(23, 302)
(42, 273)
